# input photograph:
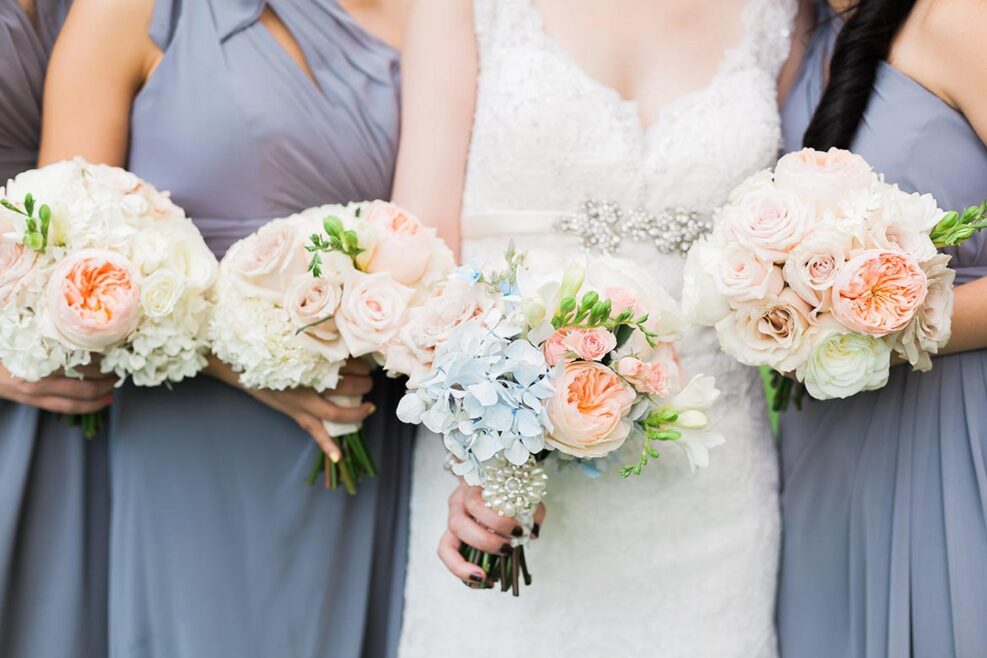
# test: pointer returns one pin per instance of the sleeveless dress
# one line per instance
(670, 563)
(885, 493)
(54, 486)
(219, 548)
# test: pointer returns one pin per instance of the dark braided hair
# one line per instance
(863, 43)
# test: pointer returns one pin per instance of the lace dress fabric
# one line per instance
(670, 563)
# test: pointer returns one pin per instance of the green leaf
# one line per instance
(623, 333)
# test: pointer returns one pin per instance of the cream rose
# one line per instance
(93, 299)
(373, 310)
(312, 303)
(878, 292)
(743, 277)
(266, 262)
(768, 221)
(844, 364)
(930, 329)
(160, 293)
(589, 410)
(823, 179)
(812, 267)
(773, 332)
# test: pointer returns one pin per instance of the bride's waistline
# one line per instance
(480, 226)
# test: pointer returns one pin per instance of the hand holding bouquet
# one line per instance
(539, 359)
(97, 265)
(303, 295)
(823, 270)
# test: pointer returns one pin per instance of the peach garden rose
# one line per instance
(878, 292)
(588, 410)
(93, 299)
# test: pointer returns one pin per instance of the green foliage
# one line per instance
(35, 235)
(954, 229)
(336, 238)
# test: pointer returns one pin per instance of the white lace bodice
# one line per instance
(670, 564)
(541, 118)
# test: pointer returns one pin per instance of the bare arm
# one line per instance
(947, 56)
(439, 69)
(101, 60)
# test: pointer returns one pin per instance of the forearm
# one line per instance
(969, 318)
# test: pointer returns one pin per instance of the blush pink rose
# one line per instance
(312, 303)
(403, 247)
(589, 410)
(743, 277)
(555, 347)
(93, 299)
(878, 292)
(646, 378)
(812, 267)
(591, 344)
(267, 262)
(769, 222)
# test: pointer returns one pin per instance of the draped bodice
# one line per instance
(239, 132)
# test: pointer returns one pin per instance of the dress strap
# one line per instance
(164, 22)
(768, 37)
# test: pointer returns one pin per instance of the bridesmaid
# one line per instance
(246, 111)
(54, 500)
(885, 494)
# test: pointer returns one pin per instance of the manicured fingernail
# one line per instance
(476, 577)
(505, 549)
(334, 456)
(517, 531)
(534, 530)
(373, 408)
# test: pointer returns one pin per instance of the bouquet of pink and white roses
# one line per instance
(303, 295)
(97, 265)
(822, 270)
(540, 359)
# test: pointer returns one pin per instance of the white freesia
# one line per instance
(692, 405)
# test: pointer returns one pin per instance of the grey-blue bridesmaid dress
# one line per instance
(54, 485)
(885, 494)
(219, 548)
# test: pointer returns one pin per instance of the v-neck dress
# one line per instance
(219, 548)
(54, 502)
(884, 494)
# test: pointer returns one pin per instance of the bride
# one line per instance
(515, 112)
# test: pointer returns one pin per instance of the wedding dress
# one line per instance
(670, 563)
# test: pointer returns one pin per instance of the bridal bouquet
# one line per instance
(822, 270)
(97, 265)
(302, 295)
(541, 359)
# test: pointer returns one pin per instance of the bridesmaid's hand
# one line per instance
(308, 408)
(60, 394)
(471, 522)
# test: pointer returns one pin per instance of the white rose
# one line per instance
(191, 258)
(768, 221)
(266, 262)
(160, 292)
(811, 267)
(743, 277)
(775, 332)
(373, 310)
(702, 301)
(765, 177)
(823, 179)
(931, 328)
(844, 364)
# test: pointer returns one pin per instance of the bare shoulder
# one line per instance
(114, 32)
(952, 35)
